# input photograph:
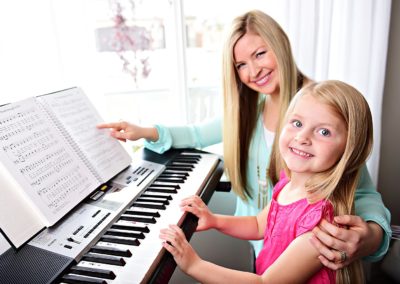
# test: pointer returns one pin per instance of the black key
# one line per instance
(196, 156)
(136, 211)
(175, 172)
(149, 205)
(138, 219)
(111, 251)
(120, 233)
(76, 279)
(102, 258)
(162, 189)
(95, 272)
(180, 168)
(171, 175)
(120, 240)
(152, 200)
(143, 229)
(182, 164)
(157, 184)
(187, 160)
(165, 196)
(170, 179)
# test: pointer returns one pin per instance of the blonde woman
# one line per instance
(325, 140)
(260, 77)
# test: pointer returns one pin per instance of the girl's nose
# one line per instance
(302, 138)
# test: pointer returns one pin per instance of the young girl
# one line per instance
(325, 139)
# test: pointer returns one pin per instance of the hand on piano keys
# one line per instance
(176, 243)
(130, 249)
(174, 239)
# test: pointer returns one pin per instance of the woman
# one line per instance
(260, 77)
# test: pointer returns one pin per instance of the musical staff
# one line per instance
(52, 157)
(79, 117)
(40, 157)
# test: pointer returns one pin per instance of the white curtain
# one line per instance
(343, 40)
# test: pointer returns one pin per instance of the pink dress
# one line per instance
(285, 223)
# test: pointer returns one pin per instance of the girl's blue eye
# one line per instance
(324, 132)
(297, 123)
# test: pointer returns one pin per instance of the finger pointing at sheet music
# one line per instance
(128, 131)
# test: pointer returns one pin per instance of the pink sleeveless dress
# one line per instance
(285, 223)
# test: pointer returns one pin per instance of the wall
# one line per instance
(389, 173)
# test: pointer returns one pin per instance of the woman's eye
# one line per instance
(239, 66)
(324, 132)
(297, 123)
(258, 54)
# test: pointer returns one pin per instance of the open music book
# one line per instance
(52, 156)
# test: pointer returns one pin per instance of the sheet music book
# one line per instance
(52, 156)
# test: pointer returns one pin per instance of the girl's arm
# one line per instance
(296, 265)
(243, 227)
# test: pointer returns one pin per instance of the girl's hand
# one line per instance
(341, 246)
(196, 206)
(175, 242)
(127, 131)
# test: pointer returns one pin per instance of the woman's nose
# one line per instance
(254, 70)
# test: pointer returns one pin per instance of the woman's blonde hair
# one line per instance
(241, 107)
(339, 183)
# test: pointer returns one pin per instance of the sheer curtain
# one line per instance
(343, 40)
(43, 49)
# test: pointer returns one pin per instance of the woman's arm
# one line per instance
(127, 131)
(366, 235)
(161, 138)
(188, 136)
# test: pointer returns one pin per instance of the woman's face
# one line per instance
(256, 64)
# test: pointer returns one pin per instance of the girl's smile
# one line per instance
(313, 138)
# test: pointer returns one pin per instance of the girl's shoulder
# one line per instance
(313, 214)
(283, 180)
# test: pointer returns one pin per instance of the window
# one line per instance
(68, 43)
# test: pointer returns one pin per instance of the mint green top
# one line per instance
(368, 202)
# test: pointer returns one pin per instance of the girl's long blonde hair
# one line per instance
(241, 103)
(339, 183)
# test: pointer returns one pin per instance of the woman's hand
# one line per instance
(196, 206)
(339, 246)
(127, 131)
(175, 242)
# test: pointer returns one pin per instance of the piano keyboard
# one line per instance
(129, 250)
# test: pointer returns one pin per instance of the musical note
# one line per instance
(51, 172)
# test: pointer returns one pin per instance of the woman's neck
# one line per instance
(271, 112)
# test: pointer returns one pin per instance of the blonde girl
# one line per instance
(325, 139)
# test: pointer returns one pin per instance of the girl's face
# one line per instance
(256, 64)
(313, 138)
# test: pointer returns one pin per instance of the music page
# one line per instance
(40, 160)
(79, 118)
